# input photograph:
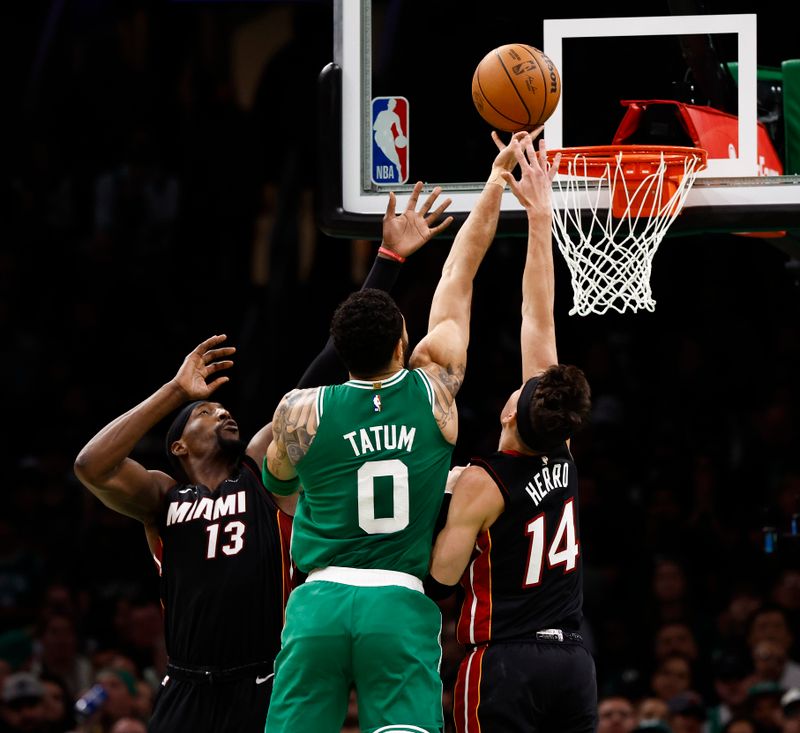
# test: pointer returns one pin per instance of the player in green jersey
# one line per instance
(372, 456)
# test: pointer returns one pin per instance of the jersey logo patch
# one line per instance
(401, 729)
(262, 680)
(376, 400)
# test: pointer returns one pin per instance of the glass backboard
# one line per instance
(421, 63)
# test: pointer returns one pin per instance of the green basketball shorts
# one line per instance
(383, 640)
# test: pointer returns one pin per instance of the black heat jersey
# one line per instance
(525, 574)
(225, 572)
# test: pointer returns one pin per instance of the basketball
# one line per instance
(516, 87)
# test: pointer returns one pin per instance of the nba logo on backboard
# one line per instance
(389, 140)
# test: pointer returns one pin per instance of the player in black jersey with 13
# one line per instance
(219, 538)
(512, 534)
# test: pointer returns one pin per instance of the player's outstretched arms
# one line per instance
(104, 467)
(403, 235)
(443, 351)
(534, 191)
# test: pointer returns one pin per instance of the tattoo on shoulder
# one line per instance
(446, 383)
(295, 424)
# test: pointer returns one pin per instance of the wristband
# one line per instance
(497, 179)
(435, 590)
(391, 255)
(277, 486)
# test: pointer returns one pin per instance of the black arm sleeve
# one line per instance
(327, 368)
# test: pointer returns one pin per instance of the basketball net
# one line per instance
(632, 195)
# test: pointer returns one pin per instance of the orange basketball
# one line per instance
(516, 87)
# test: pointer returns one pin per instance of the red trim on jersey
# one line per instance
(287, 566)
(475, 620)
(467, 692)
(510, 452)
(158, 559)
(158, 555)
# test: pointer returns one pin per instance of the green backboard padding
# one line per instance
(791, 114)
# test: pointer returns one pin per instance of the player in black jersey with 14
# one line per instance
(512, 535)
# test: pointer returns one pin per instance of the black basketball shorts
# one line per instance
(225, 706)
(526, 687)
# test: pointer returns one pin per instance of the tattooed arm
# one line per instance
(293, 428)
(443, 351)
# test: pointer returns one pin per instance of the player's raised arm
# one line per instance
(534, 192)
(403, 235)
(443, 351)
(104, 465)
(285, 439)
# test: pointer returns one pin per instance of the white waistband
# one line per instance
(365, 577)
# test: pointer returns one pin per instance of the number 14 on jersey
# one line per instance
(563, 549)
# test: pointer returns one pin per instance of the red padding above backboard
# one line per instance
(708, 128)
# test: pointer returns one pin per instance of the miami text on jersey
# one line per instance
(207, 508)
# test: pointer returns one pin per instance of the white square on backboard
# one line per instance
(743, 25)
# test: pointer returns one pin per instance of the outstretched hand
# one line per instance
(506, 158)
(535, 186)
(406, 232)
(205, 361)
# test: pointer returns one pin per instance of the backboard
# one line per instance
(385, 50)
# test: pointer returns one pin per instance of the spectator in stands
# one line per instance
(770, 663)
(763, 706)
(58, 653)
(23, 709)
(120, 686)
(687, 713)
(770, 624)
(786, 592)
(615, 714)
(733, 621)
(58, 705)
(651, 709)
(675, 637)
(672, 676)
(730, 681)
(118, 703)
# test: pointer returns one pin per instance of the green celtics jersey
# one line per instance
(373, 477)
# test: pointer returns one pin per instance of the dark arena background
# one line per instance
(160, 172)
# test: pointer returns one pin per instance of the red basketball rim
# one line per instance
(597, 157)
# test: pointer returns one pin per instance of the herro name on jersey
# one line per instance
(549, 478)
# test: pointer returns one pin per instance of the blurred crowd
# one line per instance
(157, 197)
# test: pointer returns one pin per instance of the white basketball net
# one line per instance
(610, 259)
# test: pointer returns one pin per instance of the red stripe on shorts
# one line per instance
(467, 692)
